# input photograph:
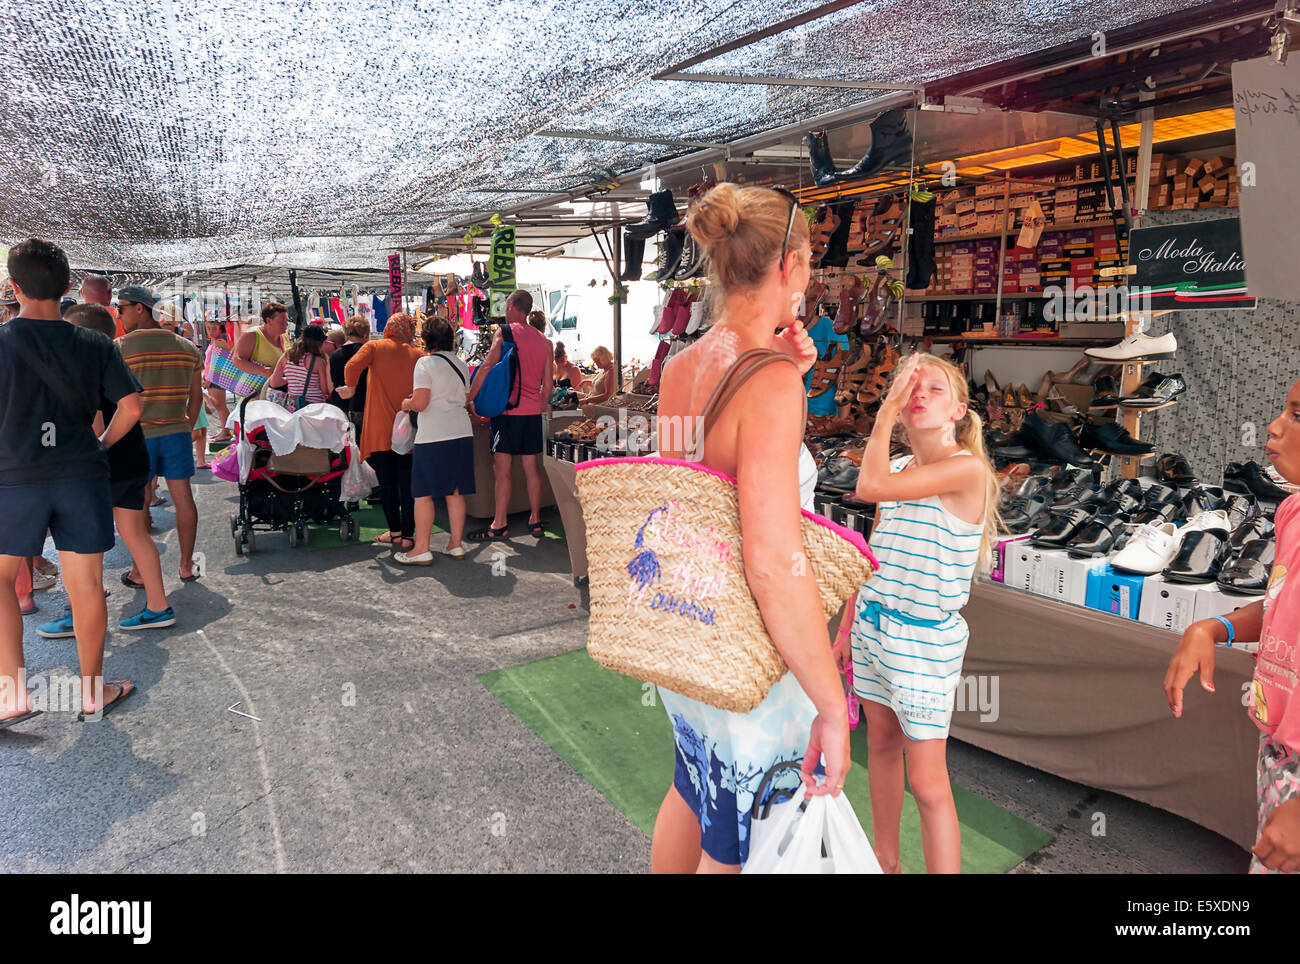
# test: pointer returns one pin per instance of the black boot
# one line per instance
(891, 146)
(920, 246)
(662, 216)
(837, 246)
(670, 254)
(633, 258)
(819, 157)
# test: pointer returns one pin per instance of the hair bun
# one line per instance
(715, 217)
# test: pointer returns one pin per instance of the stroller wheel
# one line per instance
(239, 544)
(249, 543)
(234, 527)
(345, 529)
(304, 535)
(293, 537)
(354, 527)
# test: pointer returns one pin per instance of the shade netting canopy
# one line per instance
(162, 135)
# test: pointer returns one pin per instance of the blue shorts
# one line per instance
(171, 456)
(440, 469)
(79, 512)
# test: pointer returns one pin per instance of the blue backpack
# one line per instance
(493, 396)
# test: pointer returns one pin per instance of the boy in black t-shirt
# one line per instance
(54, 378)
(128, 477)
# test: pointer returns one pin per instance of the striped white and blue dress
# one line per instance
(908, 636)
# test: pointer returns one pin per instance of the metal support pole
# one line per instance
(616, 236)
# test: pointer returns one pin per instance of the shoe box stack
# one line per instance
(857, 518)
(1186, 183)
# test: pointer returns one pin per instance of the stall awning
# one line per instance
(160, 135)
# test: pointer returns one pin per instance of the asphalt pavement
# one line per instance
(375, 747)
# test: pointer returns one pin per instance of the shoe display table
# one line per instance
(1080, 695)
(481, 505)
(562, 477)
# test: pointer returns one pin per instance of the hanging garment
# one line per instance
(381, 312)
(920, 245)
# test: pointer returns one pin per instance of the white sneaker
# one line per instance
(657, 317)
(1136, 347)
(1151, 548)
(41, 581)
(697, 317)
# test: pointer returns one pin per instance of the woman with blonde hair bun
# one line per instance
(757, 243)
(605, 384)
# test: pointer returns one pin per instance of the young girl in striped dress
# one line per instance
(936, 517)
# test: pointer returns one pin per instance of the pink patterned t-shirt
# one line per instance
(1276, 710)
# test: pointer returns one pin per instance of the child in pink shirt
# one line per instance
(1275, 622)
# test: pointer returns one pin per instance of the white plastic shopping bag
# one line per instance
(403, 433)
(813, 835)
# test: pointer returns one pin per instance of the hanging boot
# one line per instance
(837, 249)
(479, 276)
(920, 246)
(891, 147)
(670, 253)
(819, 157)
(633, 258)
(662, 216)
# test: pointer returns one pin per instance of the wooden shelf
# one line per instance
(985, 235)
(1141, 409)
(1016, 342)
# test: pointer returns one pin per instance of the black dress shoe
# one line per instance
(1201, 499)
(1081, 493)
(1110, 437)
(1241, 509)
(1156, 390)
(1065, 478)
(1259, 527)
(1249, 477)
(1156, 493)
(1248, 572)
(1158, 513)
(1172, 469)
(1061, 529)
(1010, 445)
(1054, 441)
(1122, 504)
(1033, 485)
(1105, 392)
(1200, 556)
(1024, 513)
(1097, 538)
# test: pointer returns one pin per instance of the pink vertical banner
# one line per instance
(394, 283)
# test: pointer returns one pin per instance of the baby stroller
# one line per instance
(297, 488)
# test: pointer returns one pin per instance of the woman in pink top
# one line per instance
(1275, 622)
(217, 395)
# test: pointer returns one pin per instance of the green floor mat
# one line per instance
(370, 518)
(612, 730)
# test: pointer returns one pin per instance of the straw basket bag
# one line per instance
(669, 600)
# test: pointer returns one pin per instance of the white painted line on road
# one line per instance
(231, 709)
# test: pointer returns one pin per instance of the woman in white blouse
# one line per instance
(442, 464)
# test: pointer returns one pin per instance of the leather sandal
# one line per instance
(849, 297)
(882, 229)
(874, 313)
(826, 371)
(819, 236)
(853, 376)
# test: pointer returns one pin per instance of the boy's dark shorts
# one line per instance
(79, 513)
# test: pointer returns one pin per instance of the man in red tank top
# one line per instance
(518, 431)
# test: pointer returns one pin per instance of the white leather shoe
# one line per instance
(1137, 346)
(697, 317)
(1150, 549)
(1209, 519)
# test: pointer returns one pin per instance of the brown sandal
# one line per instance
(819, 236)
(826, 371)
(882, 229)
(849, 298)
(853, 376)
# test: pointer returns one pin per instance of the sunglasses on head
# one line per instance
(794, 208)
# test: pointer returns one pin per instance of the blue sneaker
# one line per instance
(148, 619)
(60, 628)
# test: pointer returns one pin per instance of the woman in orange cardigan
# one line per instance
(391, 363)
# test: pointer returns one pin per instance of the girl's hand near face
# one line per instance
(798, 344)
(904, 384)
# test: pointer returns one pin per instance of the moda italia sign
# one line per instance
(1194, 265)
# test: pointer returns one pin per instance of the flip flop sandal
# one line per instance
(852, 378)
(826, 371)
(819, 236)
(882, 229)
(190, 578)
(875, 314)
(812, 297)
(20, 718)
(488, 534)
(847, 314)
(537, 529)
(30, 612)
(382, 542)
(107, 708)
(129, 582)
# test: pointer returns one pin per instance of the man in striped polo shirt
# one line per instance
(169, 369)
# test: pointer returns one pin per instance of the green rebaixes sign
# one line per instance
(502, 270)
